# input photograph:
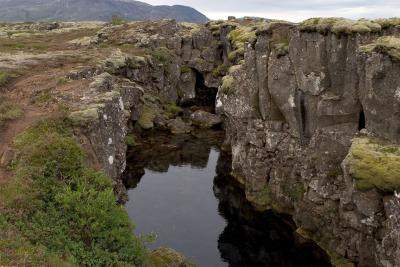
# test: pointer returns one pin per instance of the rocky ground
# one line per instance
(310, 110)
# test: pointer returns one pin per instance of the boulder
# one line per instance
(178, 126)
(205, 119)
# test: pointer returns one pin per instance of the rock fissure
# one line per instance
(291, 113)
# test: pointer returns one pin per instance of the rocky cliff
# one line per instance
(311, 114)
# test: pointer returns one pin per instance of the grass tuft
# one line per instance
(339, 26)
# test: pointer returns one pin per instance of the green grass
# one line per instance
(388, 45)
(8, 110)
(339, 26)
(374, 163)
(63, 209)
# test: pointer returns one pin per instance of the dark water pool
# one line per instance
(180, 188)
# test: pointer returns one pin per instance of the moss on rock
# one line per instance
(374, 163)
(167, 257)
(83, 117)
(339, 26)
(146, 118)
(386, 23)
(388, 45)
(227, 84)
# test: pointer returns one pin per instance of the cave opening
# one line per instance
(205, 96)
(361, 120)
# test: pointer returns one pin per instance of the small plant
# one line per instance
(116, 20)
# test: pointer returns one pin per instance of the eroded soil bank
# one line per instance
(180, 187)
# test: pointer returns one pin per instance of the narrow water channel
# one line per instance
(180, 188)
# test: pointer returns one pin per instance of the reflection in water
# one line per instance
(180, 189)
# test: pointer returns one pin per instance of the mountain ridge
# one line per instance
(100, 10)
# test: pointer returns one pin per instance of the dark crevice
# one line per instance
(361, 120)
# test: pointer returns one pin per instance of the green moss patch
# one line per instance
(221, 70)
(227, 84)
(130, 140)
(146, 118)
(339, 26)
(83, 117)
(388, 45)
(374, 163)
(63, 208)
(185, 69)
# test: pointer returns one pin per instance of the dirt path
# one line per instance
(31, 115)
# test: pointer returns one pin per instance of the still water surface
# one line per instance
(179, 188)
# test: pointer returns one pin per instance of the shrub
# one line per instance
(161, 55)
(69, 209)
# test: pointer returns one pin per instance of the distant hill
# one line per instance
(99, 10)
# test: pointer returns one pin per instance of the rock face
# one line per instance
(292, 99)
(290, 121)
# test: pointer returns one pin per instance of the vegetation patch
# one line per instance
(5, 77)
(386, 23)
(173, 108)
(295, 191)
(8, 110)
(130, 140)
(61, 210)
(185, 69)
(227, 84)
(116, 20)
(339, 26)
(161, 55)
(374, 163)
(221, 70)
(146, 118)
(387, 45)
(282, 49)
(83, 117)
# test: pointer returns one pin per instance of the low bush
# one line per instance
(65, 208)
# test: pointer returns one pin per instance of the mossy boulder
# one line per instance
(167, 257)
(146, 118)
(374, 163)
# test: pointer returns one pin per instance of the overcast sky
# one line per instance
(292, 10)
